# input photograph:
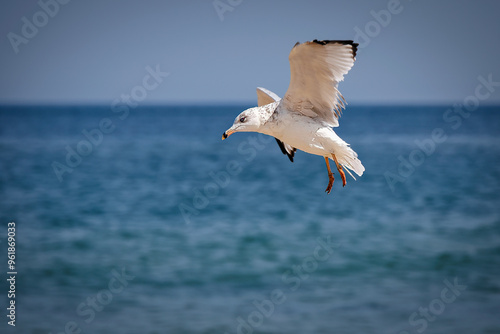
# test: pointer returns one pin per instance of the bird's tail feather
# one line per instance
(349, 159)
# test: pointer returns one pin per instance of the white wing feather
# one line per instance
(316, 69)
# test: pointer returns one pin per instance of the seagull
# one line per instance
(311, 107)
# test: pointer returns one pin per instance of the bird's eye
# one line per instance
(243, 119)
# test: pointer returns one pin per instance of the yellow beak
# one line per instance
(227, 134)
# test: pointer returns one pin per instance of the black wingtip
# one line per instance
(354, 49)
(290, 155)
(343, 42)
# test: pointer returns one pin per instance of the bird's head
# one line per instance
(247, 121)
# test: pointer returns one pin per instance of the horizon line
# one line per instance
(224, 103)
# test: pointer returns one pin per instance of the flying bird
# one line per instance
(311, 107)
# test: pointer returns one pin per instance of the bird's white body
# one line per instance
(305, 134)
(310, 135)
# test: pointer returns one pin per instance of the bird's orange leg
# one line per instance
(330, 177)
(339, 168)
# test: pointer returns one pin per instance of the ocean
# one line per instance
(144, 221)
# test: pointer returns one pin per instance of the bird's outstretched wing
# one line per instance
(265, 96)
(316, 69)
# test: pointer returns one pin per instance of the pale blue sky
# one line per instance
(94, 51)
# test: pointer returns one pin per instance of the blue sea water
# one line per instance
(158, 226)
